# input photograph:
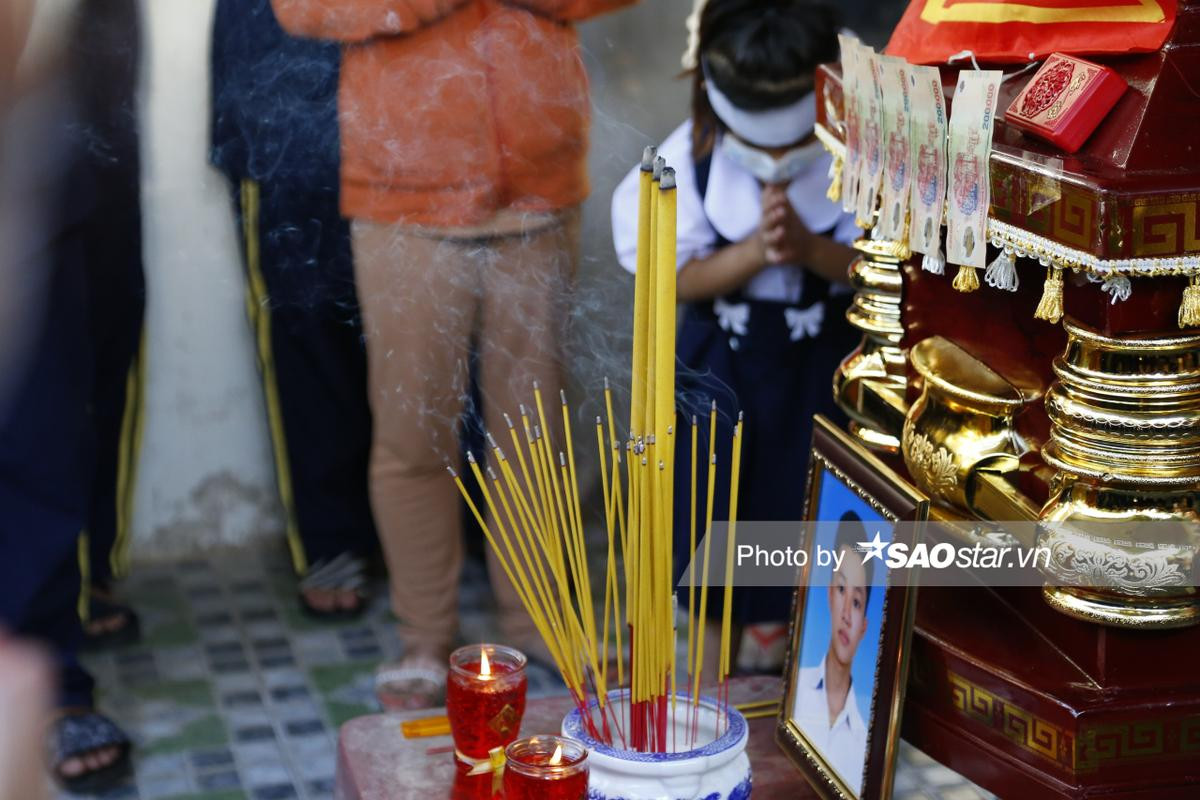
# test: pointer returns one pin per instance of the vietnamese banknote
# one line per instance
(969, 191)
(894, 196)
(870, 136)
(850, 102)
(927, 159)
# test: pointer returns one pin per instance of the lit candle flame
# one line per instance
(556, 759)
(485, 668)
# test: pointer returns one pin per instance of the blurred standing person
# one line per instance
(464, 129)
(275, 135)
(70, 150)
(105, 54)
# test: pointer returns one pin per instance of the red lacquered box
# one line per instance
(1066, 100)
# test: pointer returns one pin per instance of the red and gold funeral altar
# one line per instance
(1063, 387)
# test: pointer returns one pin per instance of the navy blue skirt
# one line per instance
(774, 362)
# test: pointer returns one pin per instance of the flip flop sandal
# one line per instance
(128, 633)
(345, 573)
(77, 733)
(395, 683)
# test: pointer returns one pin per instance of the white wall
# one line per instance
(206, 474)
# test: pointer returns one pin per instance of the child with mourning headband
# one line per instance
(762, 257)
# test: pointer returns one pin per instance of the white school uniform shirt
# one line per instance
(732, 208)
(842, 744)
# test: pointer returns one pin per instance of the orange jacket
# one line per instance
(454, 109)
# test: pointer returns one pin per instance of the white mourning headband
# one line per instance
(774, 127)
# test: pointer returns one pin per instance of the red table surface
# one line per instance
(376, 761)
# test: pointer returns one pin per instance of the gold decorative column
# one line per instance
(869, 386)
(1125, 440)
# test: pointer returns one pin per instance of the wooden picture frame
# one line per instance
(868, 485)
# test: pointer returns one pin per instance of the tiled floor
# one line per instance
(234, 694)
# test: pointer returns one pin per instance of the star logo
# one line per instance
(873, 548)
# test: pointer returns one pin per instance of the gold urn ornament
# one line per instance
(963, 422)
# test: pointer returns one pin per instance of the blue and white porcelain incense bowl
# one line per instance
(716, 768)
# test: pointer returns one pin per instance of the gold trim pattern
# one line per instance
(1023, 728)
(1100, 744)
(1093, 747)
(1165, 228)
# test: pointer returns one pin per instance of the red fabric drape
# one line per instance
(1008, 31)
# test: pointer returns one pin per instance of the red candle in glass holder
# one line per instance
(485, 697)
(545, 768)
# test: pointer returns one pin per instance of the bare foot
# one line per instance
(321, 600)
(325, 601)
(88, 762)
(102, 625)
(416, 681)
(349, 599)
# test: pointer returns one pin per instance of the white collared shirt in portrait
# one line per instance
(843, 744)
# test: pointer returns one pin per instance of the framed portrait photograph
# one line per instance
(851, 625)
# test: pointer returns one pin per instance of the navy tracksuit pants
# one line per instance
(68, 423)
(304, 313)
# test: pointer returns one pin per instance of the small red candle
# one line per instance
(545, 768)
(485, 697)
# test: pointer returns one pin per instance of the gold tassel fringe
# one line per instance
(835, 187)
(966, 280)
(1189, 310)
(1051, 307)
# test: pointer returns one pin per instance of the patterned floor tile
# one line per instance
(224, 779)
(318, 767)
(274, 791)
(266, 774)
(211, 759)
(163, 787)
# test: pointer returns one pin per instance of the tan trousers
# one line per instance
(424, 300)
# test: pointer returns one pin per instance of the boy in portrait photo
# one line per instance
(826, 708)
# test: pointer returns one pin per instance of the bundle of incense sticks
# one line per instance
(534, 521)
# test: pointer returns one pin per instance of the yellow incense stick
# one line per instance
(543, 506)
(647, 424)
(727, 612)
(708, 523)
(508, 565)
(581, 543)
(612, 569)
(616, 446)
(583, 592)
(664, 318)
(529, 544)
(608, 525)
(530, 486)
(641, 297)
(691, 642)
